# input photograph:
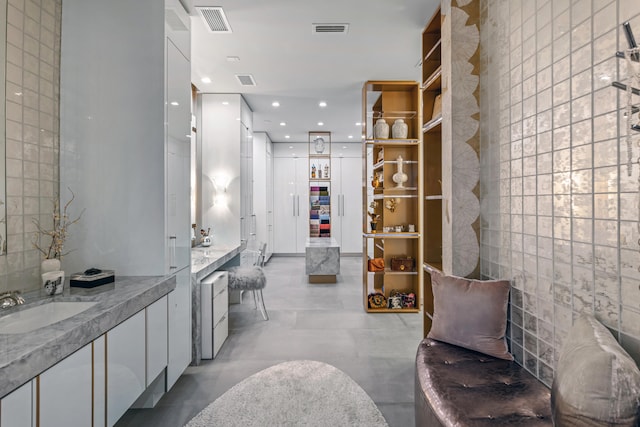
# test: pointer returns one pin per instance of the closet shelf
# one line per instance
(432, 124)
(434, 81)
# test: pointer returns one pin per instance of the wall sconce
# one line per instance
(220, 184)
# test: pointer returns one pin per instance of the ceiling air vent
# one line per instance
(215, 19)
(330, 28)
(246, 79)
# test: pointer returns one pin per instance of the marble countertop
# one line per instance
(206, 260)
(24, 356)
(321, 242)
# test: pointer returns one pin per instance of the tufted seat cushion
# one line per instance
(247, 278)
(459, 387)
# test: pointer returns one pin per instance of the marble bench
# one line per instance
(322, 259)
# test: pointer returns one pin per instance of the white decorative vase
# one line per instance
(319, 145)
(400, 177)
(48, 265)
(53, 282)
(400, 129)
(381, 129)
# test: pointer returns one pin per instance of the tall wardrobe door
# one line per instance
(285, 203)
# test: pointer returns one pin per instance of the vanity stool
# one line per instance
(251, 278)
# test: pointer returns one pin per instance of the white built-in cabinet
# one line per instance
(346, 212)
(156, 329)
(125, 146)
(247, 213)
(290, 198)
(17, 409)
(65, 391)
(263, 190)
(126, 365)
(179, 327)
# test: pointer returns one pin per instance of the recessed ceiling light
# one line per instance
(283, 124)
(320, 124)
(291, 147)
(233, 58)
(238, 118)
(205, 80)
(225, 102)
(18, 93)
(344, 147)
(175, 103)
(287, 137)
(358, 124)
(322, 104)
(275, 104)
(350, 137)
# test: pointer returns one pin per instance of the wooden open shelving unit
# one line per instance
(392, 100)
(431, 128)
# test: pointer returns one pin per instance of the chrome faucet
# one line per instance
(10, 299)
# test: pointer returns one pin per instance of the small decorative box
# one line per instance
(82, 280)
(403, 264)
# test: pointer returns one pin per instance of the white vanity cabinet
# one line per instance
(179, 324)
(65, 391)
(17, 409)
(215, 312)
(126, 365)
(156, 332)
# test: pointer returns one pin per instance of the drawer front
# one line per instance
(220, 333)
(221, 282)
(220, 305)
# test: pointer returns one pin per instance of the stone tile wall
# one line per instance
(559, 212)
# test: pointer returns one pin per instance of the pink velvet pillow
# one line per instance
(471, 313)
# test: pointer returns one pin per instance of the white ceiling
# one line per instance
(291, 65)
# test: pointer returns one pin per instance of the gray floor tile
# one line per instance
(324, 322)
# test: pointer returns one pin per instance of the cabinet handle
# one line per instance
(172, 252)
(298, 205)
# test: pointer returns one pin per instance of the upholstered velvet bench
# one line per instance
(460, 387)
(465, 375)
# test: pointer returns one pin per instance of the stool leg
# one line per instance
(263, 309)
(255, 299)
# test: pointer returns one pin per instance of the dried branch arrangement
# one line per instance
(57, 234)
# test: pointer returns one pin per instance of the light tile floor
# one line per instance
(324, 322)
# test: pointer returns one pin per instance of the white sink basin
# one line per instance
(42, 315)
